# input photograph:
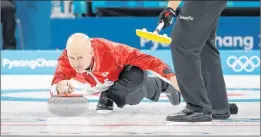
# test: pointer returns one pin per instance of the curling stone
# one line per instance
(67, 105)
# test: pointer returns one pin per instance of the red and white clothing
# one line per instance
(110, 59)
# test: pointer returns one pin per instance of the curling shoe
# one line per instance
(105, 105)
(188, 115)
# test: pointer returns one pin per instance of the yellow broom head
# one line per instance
(153, 36)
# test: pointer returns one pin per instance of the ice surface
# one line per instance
(24, 112)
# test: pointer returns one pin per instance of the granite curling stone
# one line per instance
(67, 105)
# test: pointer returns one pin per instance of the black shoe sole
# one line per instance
(104, 109)
(221, 116)
(100, 107)
(205, 119)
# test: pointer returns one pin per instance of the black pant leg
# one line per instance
(134, 85)
(129, 83)
(213, 75)
(190, 33)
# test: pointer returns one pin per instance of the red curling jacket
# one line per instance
(110, 58)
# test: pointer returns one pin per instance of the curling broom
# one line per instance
(154, 36)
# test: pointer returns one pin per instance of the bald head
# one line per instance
(79, 51)
(78, 41)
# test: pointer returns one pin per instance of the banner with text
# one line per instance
(44, 62)
(233, 32)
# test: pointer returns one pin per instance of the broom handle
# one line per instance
(159, 27)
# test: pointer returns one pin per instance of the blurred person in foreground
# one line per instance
(116, 70)
(197, 60)
(8, 11)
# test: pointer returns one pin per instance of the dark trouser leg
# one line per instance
(189, 37)
(213, 75)
(154, 86)
(193, 27)
(8, 22)
(134, 85)
(128, 84)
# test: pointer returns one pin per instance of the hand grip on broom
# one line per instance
(159, 27)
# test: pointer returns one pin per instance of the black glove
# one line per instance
(167, 17)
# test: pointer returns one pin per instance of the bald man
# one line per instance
(116, 70)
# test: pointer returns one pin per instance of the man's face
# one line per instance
(79, 59)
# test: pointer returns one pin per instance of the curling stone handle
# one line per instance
(159, 27)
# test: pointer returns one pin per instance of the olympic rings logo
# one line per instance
(243, 63)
